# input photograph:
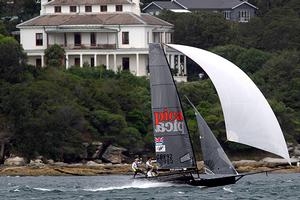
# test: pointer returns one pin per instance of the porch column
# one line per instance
(164, 37)
(42, 60)
(81, 60)
(172, 61)
(137, 64)
(178, 64)
(184, 65)
(95, 60)
(115, 63)
(180, 67)
(67, 61)
(107, 61)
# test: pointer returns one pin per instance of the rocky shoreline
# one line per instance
(94, 169)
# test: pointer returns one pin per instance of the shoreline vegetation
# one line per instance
(125, 169)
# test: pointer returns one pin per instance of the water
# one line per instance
(262, 187)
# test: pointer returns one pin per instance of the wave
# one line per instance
(228, 189)
(134, 184)
(43, 189)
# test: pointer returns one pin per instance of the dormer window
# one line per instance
(119, 8)
(73, 9)
(103, 8)
(88, 8)
(57, 9)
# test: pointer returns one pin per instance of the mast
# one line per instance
(184, 118)
(172, 141)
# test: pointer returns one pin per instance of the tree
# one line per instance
(12, 59)
(230, 52)
(54, 56)
(252, 60)
(201, 29)
(3, 30)
(6, 134)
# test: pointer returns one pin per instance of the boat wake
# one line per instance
(228, 189)
(135, 184)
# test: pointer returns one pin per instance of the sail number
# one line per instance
(164, 159)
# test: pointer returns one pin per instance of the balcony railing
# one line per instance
(88, 46)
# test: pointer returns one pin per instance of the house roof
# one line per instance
(168, 5)
(95, 19)
(212, 4)
(87, 2)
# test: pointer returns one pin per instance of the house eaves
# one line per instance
(152, 3)
(245, 2)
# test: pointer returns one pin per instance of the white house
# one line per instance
(113, 33)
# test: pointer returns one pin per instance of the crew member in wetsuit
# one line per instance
(135, 167)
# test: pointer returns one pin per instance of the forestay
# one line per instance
(172, 141)
(249, 118)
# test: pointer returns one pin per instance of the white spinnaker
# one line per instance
(248, 116)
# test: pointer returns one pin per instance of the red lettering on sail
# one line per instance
(168, 121)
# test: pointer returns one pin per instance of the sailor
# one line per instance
(135, 167)
(151, 170)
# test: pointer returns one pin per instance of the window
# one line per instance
(93, 62)
(125, 37)
(103, 8)
(73, 9)
(88, 8)
(119, 8)
(227, 14)
(38, 62)
(125, 63)
(93, 39)
(77, 61)
(57, 9)
(39, 39)
(244, 16)
(77, 39)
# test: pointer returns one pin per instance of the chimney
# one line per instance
(136, 9)
(43, 3)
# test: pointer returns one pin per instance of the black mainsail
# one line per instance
(214, 157)
(172, 141)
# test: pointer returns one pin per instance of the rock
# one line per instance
(36, 163)
(15, 161)
(98, 161)
(94, 150)
(60, 164)
(75, 165)
(291, 149)
(289, 144)
(274, 162)
(296, 152)
(248, 163)
(114, 154)
(93, 164)
(50, 162)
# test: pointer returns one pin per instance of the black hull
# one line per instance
(188, 178)
(213, 182)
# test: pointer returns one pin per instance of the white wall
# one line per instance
(137, 37)
(27, 38)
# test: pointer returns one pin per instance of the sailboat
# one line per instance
(174, 150)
